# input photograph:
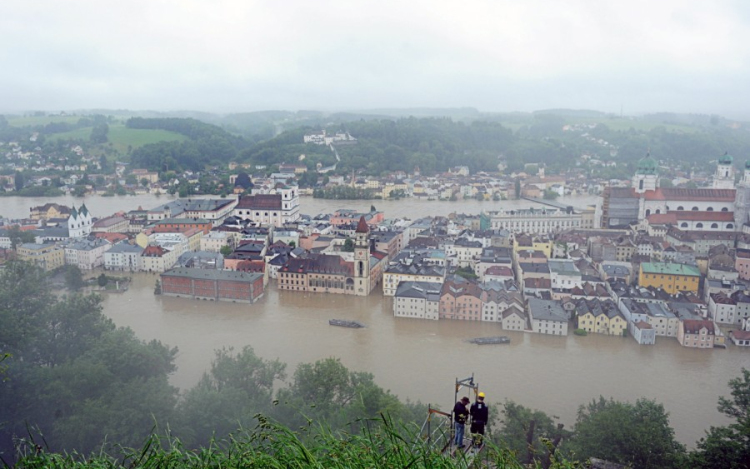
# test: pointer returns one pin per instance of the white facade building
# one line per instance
(80, 222)
(87, 254)
(418, 300)
(123, 257)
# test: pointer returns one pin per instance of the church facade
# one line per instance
(721, 207)
(80, 222)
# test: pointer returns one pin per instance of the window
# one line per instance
(714, 225)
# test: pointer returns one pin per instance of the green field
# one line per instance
(122, 137)
(30, 121)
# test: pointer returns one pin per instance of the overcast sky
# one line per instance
(244, 55)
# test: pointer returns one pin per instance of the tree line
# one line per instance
(75, 380)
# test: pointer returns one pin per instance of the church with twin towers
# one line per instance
(722, 207)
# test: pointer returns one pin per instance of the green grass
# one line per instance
(271, 445)
(30, 121)
(121, 137)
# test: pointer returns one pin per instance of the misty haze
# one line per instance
(375, 234)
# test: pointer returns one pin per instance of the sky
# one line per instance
(637, 56)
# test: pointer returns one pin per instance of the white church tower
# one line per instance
(645, 178)
(724, 176)
(80, 222)
(362, 258)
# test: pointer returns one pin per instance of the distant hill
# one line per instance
(572, 112)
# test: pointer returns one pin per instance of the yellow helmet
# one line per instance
(481, 395)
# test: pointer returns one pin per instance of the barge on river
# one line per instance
(490, 340)
(345, 323)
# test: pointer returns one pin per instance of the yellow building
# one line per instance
(50, 210)
(47, 256)
(669, 277)
(390, 187)
(617, 325)
(599, 317)
(525, 242)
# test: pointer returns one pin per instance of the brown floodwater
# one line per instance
(419, 359)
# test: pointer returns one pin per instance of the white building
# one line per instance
(123, 257)
(547, 317)
(642, 332)
(215, 240)
(564, 274)
(533, 220)
(722, 308)
(157, 259)
(277, 207)
(514, 319)
(87, 254)
(418, 300)
(80, 222)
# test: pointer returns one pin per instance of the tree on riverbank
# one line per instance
(638, 435)
(728, 446)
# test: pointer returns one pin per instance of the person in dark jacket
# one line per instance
(460, 415)
(479, 416)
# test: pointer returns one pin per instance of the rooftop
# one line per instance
(666, 268)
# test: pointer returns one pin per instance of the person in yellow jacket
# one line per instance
(479, 416)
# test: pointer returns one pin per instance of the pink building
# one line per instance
(696, 333)
(742, 263)
(460, 301)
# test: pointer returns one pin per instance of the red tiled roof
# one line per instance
(703, 216)
(251, 266)
(694, 326)
(662, 218)
(499, 270)
(153, 251)
(260, 202)
(111, 237)
(362, 226)
(460, 289)
(697, 195)
(740, 335)
(544, 283)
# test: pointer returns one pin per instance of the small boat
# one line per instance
(490, 340)
(345, 323)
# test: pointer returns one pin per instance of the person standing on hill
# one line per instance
(460, 415)
(479, 416)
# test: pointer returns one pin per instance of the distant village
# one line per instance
(645, 262)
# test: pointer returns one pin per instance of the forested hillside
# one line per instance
(555, 138)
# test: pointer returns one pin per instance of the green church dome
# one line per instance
(727, 159)
(646, 165)
(747, 164)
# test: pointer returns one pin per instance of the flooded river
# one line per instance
(419, 359)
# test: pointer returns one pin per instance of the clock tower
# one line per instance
(362, 258)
